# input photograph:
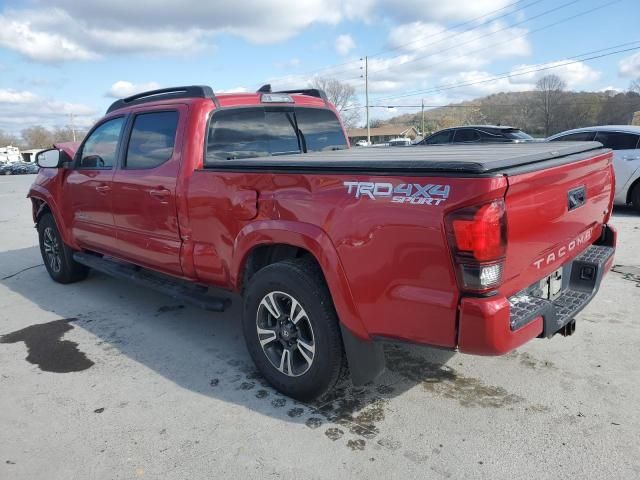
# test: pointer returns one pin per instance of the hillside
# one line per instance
(526, 110)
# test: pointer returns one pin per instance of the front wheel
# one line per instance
(58, 257)
(291, 329)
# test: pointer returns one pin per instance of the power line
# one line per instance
(426, 37)
(544, 27)
(519, 73)
(491, 19)
(479, 105)
(485, 35)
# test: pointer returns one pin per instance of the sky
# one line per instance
(65, 61)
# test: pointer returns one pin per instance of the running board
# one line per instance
(195, 294)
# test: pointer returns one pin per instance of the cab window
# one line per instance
(250, 132)
(320, 130)
(152, 140)
(100, 149)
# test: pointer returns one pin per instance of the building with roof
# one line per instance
(382, 134)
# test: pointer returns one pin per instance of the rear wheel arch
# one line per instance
(279, 241)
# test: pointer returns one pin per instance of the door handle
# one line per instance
(630, 158)
(160, 194)
(103, 189)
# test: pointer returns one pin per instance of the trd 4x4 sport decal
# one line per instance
(412, 193)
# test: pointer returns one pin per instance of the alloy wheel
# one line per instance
(285, 333)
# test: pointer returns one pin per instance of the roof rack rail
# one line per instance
(191, 91)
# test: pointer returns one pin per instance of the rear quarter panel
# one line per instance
(387, 264)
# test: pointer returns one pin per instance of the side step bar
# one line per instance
(195, 294)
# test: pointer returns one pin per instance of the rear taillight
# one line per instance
(478, 239)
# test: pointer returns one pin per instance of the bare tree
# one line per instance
(66, 134)
(8, 139)
(37, 137)
(549, 92)
(635, 86)
(343, 96)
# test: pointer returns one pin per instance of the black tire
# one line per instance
(58, 257)
(301, 280)
(635, 196)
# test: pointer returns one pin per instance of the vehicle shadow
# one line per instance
(204, 352)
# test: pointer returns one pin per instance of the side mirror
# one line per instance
(49, 158)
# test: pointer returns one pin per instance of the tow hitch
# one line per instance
(568, 329)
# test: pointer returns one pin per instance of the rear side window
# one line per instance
(466, 135)
(576, 137)
(152, 140)
(320, 129)
(438, 138)
(251, 132)
(617, 140)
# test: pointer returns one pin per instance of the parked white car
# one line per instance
(624, 140)
(10, 154)
(400, 142)
(362, 143)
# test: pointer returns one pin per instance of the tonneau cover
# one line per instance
(472, 159)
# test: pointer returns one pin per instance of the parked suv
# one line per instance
(477, 134)
(624, 140)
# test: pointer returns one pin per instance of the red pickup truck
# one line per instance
(478, 248)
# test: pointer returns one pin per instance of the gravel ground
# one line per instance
(106, 380)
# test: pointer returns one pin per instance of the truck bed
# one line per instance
(479, 159)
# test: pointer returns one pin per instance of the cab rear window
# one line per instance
(262, 132)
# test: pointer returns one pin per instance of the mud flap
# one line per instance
(365, 359)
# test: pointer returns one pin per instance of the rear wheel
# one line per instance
(58, 257)
(635, 196)
(291, 329)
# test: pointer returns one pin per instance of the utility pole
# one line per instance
(73, 130)
(422, 132)
(366, 95)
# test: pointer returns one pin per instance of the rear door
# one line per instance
(626, 158)
(144, 189)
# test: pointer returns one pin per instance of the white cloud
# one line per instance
(450, 10)
(122, 88)
(630, 66)
(61, 30)
(21, 108)
(40, 45)
(344, 44)
(576, 75)
(16, 96)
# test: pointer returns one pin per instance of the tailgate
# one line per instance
(554, 214)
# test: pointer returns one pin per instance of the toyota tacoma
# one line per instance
(474, 248)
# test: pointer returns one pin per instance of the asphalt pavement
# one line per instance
(106, 380)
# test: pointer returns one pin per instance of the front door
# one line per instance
(88, 187)
(144, 190)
